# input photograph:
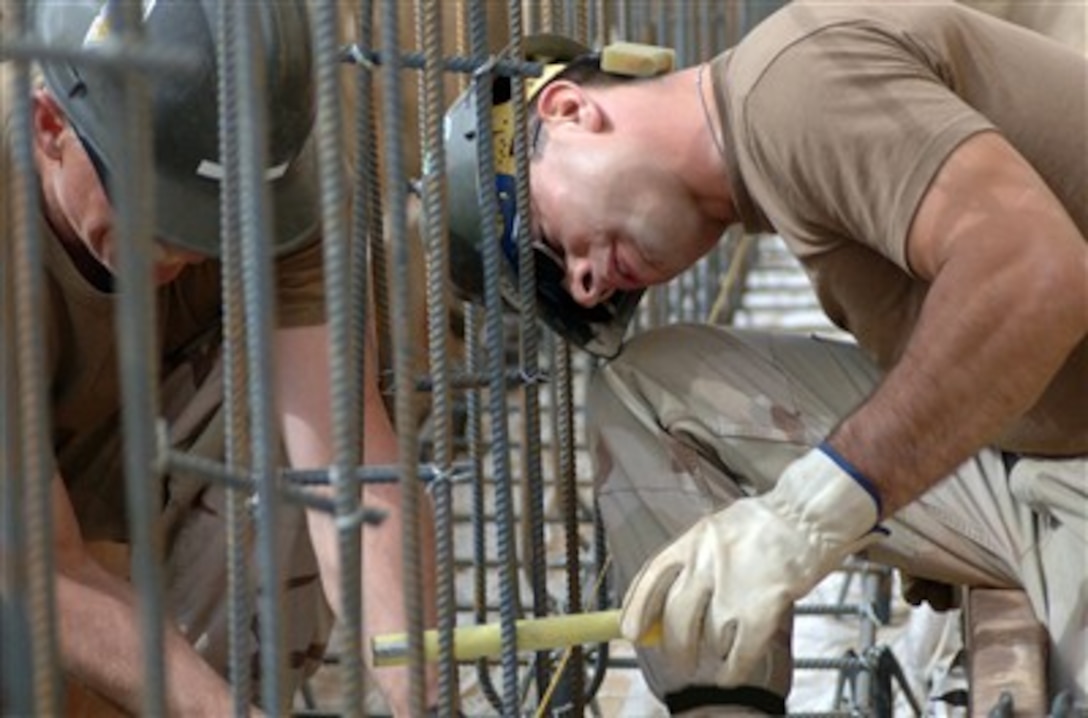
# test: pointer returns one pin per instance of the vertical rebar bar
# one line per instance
(429, 36)
(623, 21)
(133, 207)
(493, 302)
(369, 192)
(658, 297)
(568, 492)
(478, 510)
(236, 420)
(474, 425)
(366, 227)
(30, 513)
(407, 437)
(603, 23)
(256, 227)
(581, 28)
(600, 598)
(529, 334)
(16, 673)
(866, 685)
(548, 21)
(344, 376)
(366, 203)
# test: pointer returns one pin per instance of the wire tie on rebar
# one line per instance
(362, 515)
(453, 476)
(486, 68)
(439, 475)
(461, 473)
(532, 378)
(352, 54)
(446, 476)
(870, 657)
(868, 609)
(430, 166)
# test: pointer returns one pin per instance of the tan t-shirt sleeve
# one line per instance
(300, 287)
(843, 132)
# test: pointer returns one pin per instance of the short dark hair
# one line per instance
(586, 70)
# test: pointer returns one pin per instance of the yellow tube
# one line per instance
(533, 634)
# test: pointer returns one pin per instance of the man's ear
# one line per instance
(49, 124)
(564, 101)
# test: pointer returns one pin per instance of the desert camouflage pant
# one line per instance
(690, 418)
(194, 521)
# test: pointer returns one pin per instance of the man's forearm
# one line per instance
(101, 648)
(385, 581)
(304, 396)
(976, 360)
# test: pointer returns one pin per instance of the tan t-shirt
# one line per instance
(839, 114)
(1063, 20)
(84, 381)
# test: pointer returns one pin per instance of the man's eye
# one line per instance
(549, 268)
(548, 251)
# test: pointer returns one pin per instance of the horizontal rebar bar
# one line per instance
(114, 57)
(831, 664)
(832, 609)
(479, 380)
(220, 473)
(366, 474)
(355, 54)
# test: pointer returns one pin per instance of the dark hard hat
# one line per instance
(184, 111)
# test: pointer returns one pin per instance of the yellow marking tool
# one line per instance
(533, 634)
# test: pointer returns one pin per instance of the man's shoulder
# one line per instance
(805, 24)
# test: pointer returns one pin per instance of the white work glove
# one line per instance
(721, 589)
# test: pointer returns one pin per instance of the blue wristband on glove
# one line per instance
(862, 479)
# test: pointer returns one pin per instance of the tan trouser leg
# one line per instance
(196, 525)
(689, 418)
(194, 522)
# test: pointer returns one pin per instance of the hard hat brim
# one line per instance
(188, 208)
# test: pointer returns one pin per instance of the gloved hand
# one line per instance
(724, 586)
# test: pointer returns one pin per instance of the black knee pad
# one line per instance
(693, 697)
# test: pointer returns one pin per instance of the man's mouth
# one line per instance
(621, 276)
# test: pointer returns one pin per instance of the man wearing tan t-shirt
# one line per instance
(73, 147)
(928, 164)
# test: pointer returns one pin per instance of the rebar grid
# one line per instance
(356, 250)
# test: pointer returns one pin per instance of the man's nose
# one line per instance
(586, 286)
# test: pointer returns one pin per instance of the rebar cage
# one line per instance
(487, 409)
